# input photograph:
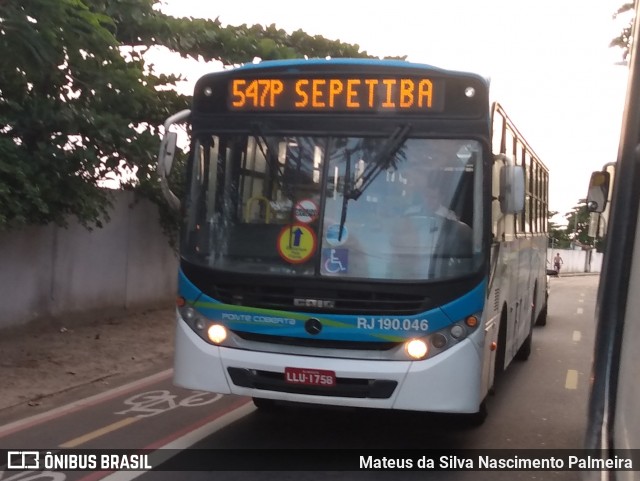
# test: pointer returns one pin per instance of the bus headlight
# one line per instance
(416, 348)
(441, 340)
(210, 331)
(217, 333)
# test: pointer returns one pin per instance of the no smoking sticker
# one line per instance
(296, 243)
(306, 211)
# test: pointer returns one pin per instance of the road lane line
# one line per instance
(577, 335)
(572, 379)
(99, 432)
(31, 421)
(169, 446)
(580, 310)
(244, 403)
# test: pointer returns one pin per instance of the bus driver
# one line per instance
(425, 199)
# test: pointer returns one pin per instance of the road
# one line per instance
(538, 404)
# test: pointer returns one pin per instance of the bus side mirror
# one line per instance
(511, 189)
(598, 191)
(167, 152)
(166, 156)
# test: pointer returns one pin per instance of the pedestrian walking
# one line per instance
(557, 262)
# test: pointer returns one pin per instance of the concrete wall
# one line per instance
(51, 272)
(576, 261)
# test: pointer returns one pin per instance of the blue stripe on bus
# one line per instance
(471, 303)
(334, 326)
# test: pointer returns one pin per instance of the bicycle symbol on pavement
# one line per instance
(152, 403)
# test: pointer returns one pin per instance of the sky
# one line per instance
(549, 62)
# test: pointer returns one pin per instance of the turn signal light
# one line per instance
(471, 321)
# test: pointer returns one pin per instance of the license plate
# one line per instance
(309, 377)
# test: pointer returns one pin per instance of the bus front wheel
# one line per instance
(474, 420)
(264, 404)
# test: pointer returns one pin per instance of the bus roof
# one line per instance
(370, 62)
(335, 61)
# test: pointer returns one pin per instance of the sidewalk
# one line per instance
(577, 274)
(38, 362)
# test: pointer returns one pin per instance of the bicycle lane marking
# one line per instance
(182, 439)
(144, 405)
(85, 438)
(75, 406)
(152, 403)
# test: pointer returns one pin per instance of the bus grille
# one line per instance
(345, 387)
(343, 301)
(317, 343)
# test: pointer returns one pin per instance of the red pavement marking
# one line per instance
(175, 435)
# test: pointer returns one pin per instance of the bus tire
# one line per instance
(525, 349)
(474, 420)
(264, 404)
(498, 367)
(542, 318)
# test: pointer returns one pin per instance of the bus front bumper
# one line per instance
(449, 382)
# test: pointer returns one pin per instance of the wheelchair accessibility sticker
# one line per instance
(297, 243)
(335, 261)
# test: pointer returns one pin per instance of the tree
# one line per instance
(78, 103)
(623, 40)
(578, 223)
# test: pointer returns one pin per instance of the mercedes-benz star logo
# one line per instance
(313, 326)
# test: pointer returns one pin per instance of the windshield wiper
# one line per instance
(382, 161)
(346, 189)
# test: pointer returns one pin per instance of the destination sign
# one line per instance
(337, 94)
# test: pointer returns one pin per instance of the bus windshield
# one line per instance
(320, 206)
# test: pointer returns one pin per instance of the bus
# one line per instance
(613, 424)
(361, 233)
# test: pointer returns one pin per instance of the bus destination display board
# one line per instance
(336, 94)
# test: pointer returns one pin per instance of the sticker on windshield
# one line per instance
(335, 261)
(333, 235)
(296, 243)
(306, 211)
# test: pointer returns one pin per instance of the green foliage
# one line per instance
(558, 236)
(578, 223)
(78, 103)
(577, 230)
(623, 40)
(72, 112)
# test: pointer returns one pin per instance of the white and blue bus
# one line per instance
(361, 233)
